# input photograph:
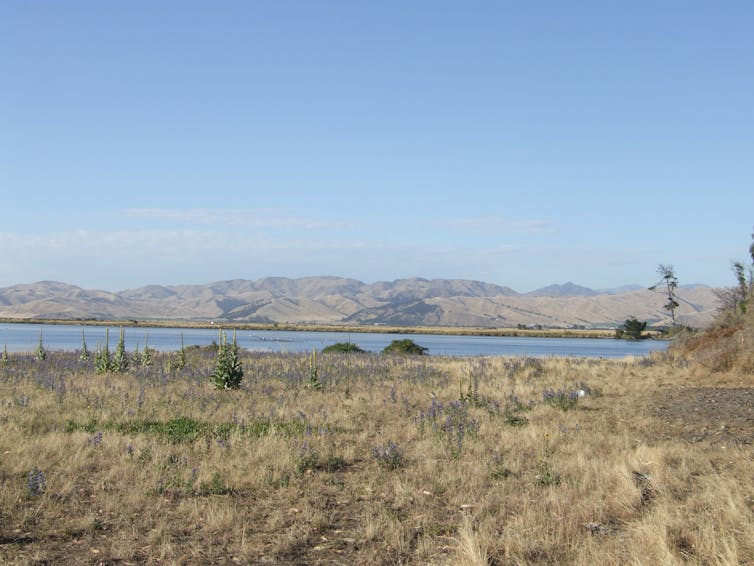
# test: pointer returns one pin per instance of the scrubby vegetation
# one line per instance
(343, 348)
(388, 459)
(729, 342)
(405, 346)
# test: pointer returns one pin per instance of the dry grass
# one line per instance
(279, 472)
(725, 346)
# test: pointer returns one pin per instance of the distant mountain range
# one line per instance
(336, 300)
(565, 290)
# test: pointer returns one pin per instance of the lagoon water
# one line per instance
(25, 338)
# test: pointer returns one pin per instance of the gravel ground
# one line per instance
(713, 414)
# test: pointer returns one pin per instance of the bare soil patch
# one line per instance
(714, 414)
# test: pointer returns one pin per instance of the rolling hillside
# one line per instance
(410, 302)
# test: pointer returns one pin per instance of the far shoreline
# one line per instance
(604, 333)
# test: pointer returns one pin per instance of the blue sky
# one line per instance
(519, 143)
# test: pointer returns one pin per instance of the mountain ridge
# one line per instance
(331, 299)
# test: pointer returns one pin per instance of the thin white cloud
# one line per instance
(148, 243)
(498, 225)
(275, 219)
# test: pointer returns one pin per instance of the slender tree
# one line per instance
(670, 282)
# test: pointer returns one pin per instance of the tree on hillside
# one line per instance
(735, 300)
(670, 283)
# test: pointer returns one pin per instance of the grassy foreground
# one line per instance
(374, 459)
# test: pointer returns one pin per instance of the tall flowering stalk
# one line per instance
(120, 359)
(228, 371)
(146, 356)
(182, 360)
(102, 359)
(314, 382)
(84, 350)
(40, 353)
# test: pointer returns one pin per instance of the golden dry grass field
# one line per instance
(376, 459)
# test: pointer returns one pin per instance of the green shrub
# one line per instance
(343, 348)
(405, 346)
(632, 329)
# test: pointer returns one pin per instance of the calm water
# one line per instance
(25, 338)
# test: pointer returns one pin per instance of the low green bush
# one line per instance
(405, 346)
(343, 348)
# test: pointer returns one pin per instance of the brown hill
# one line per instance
(415, 302)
